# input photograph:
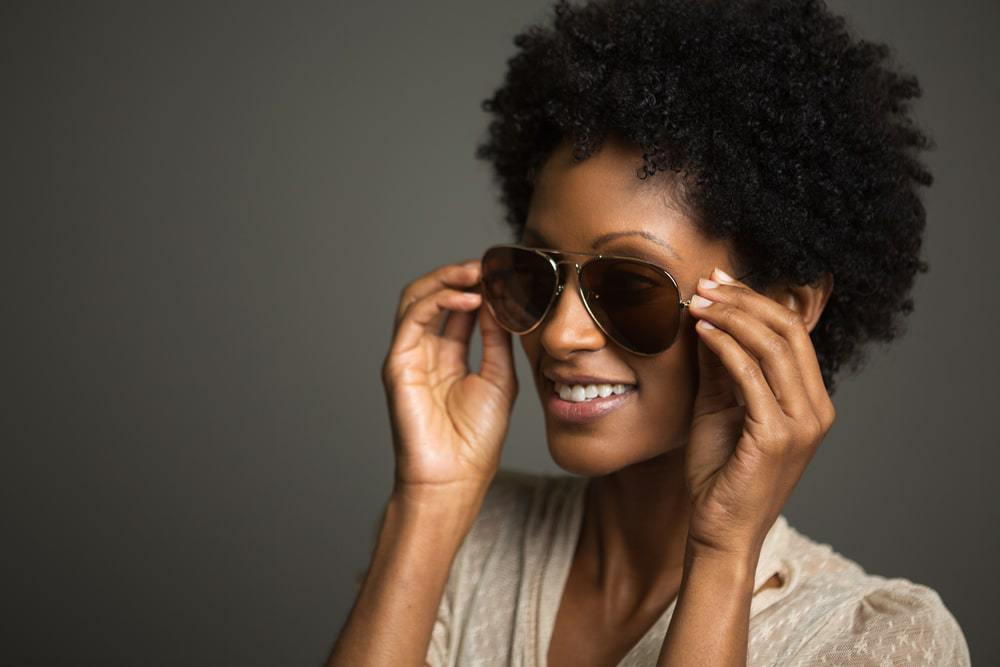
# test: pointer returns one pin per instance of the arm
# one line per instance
(448, 426)
(712, 616)
(746, 452)
(393, 616)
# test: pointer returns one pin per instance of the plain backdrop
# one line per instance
(208, 213)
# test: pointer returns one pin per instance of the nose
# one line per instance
(568, 326)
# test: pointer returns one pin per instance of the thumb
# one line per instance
(716, 390)
(498, 354)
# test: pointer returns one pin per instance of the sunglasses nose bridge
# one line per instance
(562, 278)
(575, 268)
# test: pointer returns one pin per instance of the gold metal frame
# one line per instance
(555, 258)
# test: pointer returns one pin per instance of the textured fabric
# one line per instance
(506, 582)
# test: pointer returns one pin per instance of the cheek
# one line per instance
(669, 383)
(531, 344)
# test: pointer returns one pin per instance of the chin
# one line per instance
(590, 453)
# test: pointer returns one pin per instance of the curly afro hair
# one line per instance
(794, 139)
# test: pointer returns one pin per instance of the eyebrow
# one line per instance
(605, 238)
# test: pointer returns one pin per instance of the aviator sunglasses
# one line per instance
(636, 303)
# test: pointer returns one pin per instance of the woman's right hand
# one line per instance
(448, 424)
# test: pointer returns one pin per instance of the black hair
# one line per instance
(794, 138)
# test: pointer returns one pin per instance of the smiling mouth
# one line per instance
(583, 393)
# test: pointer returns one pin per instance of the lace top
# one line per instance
(506, 583)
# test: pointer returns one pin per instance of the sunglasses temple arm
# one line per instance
(686, 303)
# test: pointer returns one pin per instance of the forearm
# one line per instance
(393, 616)
(711, 618)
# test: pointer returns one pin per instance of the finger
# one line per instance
(786, 320)
(418, 316)
(715, 386)
(458, 326)
(741, 313)
(497, 365)
(450, 275)
(772, 353)
(761, 405)
(455, 339)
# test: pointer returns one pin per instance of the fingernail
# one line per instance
(472, 263)
(706, 283)
(698, 301)
(723, 276)
(705, 324)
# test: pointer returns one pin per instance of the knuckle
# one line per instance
(394, 372)
(405, 295)
(776, 345)
(792, 321)
(815, 430)
(388, 371)
(737, 296)
(726, 314)
(750, 370)
(827, 416)
(407, 306)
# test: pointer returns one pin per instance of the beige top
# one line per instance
(506, 582)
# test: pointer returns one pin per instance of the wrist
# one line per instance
(733, 566)
(711, 616)
(431, 493)
(451, 506)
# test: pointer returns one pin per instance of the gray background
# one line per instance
(208, 214)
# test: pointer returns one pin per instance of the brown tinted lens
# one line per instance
(637, 305)
(518, 284)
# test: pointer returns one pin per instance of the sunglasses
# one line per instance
(636, 303)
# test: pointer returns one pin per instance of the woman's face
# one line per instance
(572, 206)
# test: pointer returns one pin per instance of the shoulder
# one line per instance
(515, 501)
(512, 490)
(511, 498)
(522, 519)
(865, 618)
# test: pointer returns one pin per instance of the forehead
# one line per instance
(574, 203)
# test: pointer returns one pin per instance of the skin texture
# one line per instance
(686, 480)
(630, 559)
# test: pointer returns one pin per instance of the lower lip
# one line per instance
(585, 411)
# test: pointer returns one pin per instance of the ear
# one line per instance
(807, 300)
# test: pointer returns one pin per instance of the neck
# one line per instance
(633, 534)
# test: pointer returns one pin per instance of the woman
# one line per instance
(761, 165)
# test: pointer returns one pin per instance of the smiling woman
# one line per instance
(647, 151)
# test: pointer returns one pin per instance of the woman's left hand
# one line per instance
(743, 461)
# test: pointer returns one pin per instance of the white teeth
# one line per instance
(579, 392)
